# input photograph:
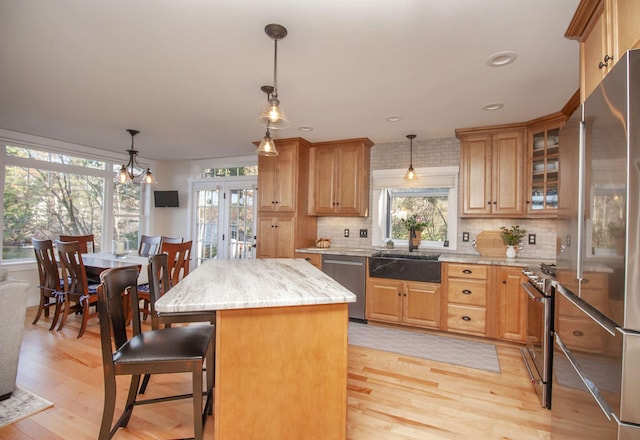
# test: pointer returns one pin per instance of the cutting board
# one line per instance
(490, 244)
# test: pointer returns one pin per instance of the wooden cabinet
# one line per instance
(492, 175)
(283, 222)
(315, 259)
(404, 302)
(467, 289)
(606, 29)
(512, 304)
(339, 178)
(543, 165)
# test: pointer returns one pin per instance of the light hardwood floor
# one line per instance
(390, 396)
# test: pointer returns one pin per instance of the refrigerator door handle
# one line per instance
(593, 390)
(581, 196)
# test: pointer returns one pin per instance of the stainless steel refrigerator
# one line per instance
(596, 363)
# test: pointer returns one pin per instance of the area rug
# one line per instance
(471, 354)
(20, 405)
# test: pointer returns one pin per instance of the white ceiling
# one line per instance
(187, 73)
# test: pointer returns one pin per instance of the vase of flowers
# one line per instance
(511, 237)
(417, 225)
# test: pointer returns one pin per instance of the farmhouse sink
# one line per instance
(408, 267)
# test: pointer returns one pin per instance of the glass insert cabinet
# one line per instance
(543, 171)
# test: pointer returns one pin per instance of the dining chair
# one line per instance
(172, 239)
(179, 257)
(76, 289)
(160, 351)
(86, 242)
(51, 293)
(158, 270)
(149, 245)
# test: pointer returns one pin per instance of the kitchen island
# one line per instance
(281, 346)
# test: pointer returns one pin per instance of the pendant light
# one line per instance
(267, 147)
(127, 173)
(411, 174)
(273, 114)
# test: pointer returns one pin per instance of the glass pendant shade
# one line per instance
(273, 115)
(267, 146)
(411, 174)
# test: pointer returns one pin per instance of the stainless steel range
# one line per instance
(538, 354)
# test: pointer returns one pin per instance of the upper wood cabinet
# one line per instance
(339, 178)
(492, 175)
(606, 29)
(278, 176)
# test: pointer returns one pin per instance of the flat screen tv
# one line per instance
(166, 199)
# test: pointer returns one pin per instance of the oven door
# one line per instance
(537, 354)
(587, 374)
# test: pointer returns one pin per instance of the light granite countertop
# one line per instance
(242, 284)
(448, 257)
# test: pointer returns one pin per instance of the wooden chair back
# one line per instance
(149, 245)
(178, 256)
(86, 242)
(49, 277)
(172, 239)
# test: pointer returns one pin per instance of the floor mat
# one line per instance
(471, 354)
(20, 405)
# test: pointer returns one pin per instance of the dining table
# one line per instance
(96, 263)
(281, 346)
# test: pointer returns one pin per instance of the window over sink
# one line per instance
(432, 199)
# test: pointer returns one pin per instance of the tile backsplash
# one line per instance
(436, 152)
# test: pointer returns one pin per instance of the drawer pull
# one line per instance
(466, 292)
(467, 271)
(466, 318)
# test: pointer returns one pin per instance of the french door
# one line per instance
(225, 220)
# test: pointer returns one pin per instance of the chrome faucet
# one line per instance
(412, 235)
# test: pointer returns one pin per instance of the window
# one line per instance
(47, 193)
(431, 200)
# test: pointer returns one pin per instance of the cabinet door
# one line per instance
(267, 183)
(594, 48)
(322, 161)
(422, 304)
(349, 180)
(508, 173)
(476, 175)
(384, 300)
(265, 240)
(513, 305)
(286, 172)
(627, 18)
(285, 237)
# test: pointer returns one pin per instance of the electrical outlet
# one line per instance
(346, 233)
(364, 233)
(532, 238)
(465, 237)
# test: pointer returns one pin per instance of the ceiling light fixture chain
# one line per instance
(127, 172)
(411, 174)
(272, 116)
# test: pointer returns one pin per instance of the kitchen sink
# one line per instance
(408, 267)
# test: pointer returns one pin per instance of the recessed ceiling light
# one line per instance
(305, 128)
(501, 59)
(393, 118)
(493, 106)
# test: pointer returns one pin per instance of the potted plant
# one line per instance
(418, 225)
(511, 237)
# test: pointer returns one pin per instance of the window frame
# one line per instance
(428, 177)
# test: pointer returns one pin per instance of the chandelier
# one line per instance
(411, 174)
(272, 116)
(127, 172)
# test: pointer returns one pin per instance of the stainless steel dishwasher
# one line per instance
(350, 271)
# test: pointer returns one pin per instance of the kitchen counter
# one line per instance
(445, 257)
(281, 346)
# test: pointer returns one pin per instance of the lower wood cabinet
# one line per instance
(467, 287)
(404, 302)
(512, 304)
(277, 237)
(315, 259)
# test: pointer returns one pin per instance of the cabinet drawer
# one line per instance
(467, 319)
(582, 334)
(467, 271)
(467, 292)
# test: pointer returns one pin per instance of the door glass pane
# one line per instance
(241, 223)
(207, 214)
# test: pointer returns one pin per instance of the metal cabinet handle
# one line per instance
(466, 292)
(467, 271)
(466, 318)
(605, 61)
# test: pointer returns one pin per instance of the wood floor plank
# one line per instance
(390, 397)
